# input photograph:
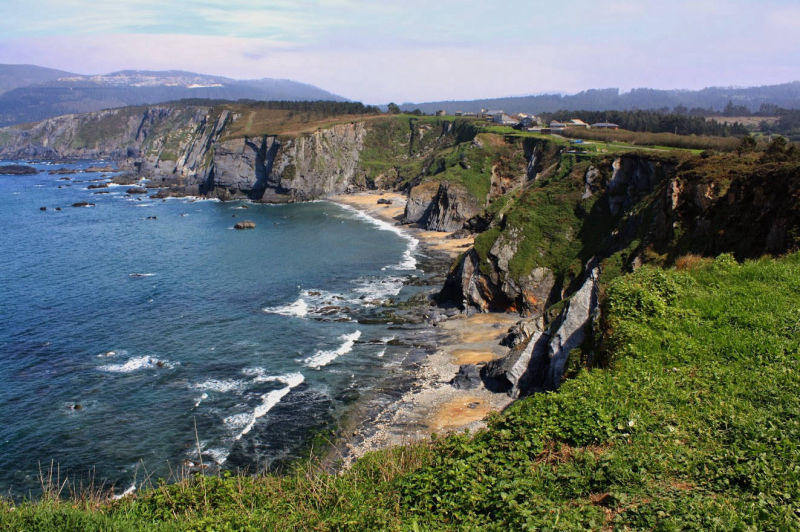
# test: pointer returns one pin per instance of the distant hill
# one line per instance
(53, 93)
(786, 95)
(13, 76)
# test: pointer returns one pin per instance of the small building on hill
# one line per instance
(441, 112)
(504, 119)
(577, 122)
(605, 125)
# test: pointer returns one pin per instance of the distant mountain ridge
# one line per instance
(29, 93)
(786, 95)
(13, 76)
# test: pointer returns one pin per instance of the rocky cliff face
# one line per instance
(440, 206)
(321, 163)
(185, 148)
(602, 194)
(538, 360)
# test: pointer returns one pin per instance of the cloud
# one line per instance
(415, 50)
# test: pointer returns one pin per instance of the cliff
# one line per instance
(230, 151)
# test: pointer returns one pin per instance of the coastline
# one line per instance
(427, 404)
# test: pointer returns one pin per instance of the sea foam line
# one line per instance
(323, 357)
(408, 262)
(268, 401)
(299, 308)
(137, 363)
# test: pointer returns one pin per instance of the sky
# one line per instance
(419, 50)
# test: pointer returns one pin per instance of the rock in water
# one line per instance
(136, 190)
(42, 208)
(17, 169)
(83, 204)
(246, 224)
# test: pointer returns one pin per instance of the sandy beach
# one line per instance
(435, 240)
(433, 405)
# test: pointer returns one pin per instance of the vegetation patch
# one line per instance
(692, 425)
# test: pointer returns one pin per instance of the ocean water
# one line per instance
(126, 342)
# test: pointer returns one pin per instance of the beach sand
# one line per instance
(433, 405)
(435, 240)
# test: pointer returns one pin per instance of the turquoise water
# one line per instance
(120, 336)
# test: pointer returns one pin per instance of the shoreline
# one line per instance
(428, 404)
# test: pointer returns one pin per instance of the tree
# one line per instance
(394, 108)
(747, 145)
(776, 151)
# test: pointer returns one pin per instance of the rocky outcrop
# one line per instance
(420, 201)
(538, 362)
(17, 169)
(572, 328)
(440, 206)
(493, 287)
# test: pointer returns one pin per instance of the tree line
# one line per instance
(654, 122)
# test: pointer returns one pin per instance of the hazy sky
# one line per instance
(418, 50)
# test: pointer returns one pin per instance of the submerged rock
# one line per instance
(83, 204)
(136, 190)
(245, 224)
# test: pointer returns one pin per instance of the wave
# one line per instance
(218, 455)
(216, 385)
(323, 358)
(138, 275)
(137, 363)
(125, 493)
(408, 261)
(268, 401)
(379, 289)
(107, 354)
(299, 308)
(200, 399)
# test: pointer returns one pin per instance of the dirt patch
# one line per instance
(472, 356)
(458, 413)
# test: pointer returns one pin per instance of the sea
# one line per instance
(141, 338)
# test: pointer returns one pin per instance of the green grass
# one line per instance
(692, 424)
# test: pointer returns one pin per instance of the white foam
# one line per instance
(137, 363)
(216, 385)
(236, 421)
(218, 455)
(323, 358)
(137, 275)
(379, 289)
(200, 399)
(299, 308)
(125, 493)
(408, 262)
(268, 401)
(383, 352)
(108, 354)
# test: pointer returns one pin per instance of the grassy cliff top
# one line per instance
(692, 424)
